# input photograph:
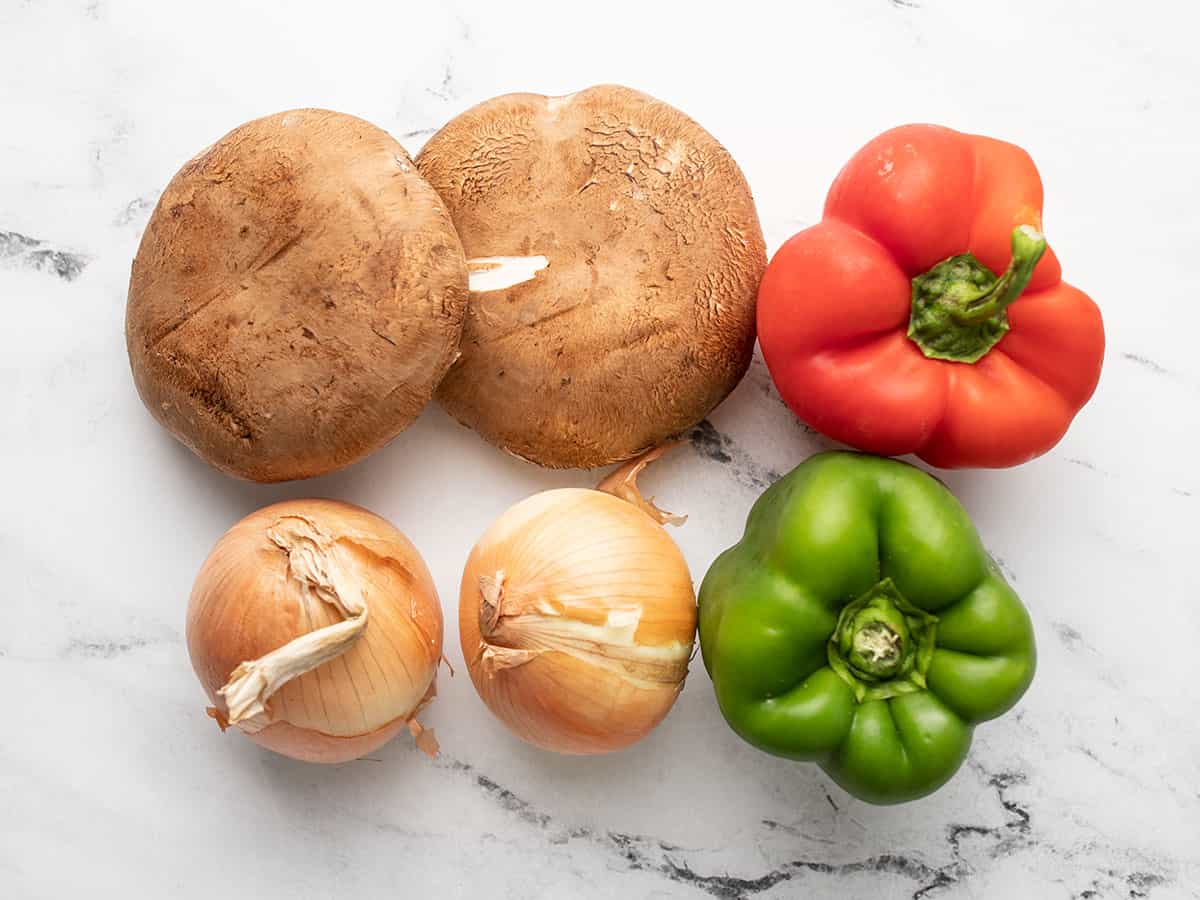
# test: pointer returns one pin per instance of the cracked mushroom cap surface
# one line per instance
(640, 251)
(298, 294)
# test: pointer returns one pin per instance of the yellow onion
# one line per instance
(315, 628)
(577, 616)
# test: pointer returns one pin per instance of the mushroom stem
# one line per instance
(496, 273)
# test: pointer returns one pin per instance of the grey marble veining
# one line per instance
(116, 784)
(21, 251)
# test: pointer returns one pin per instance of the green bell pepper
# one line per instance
(860, 624)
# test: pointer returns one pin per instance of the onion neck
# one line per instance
(518, 625)
(313, 562)
(622, 483)
(491, 595)
(958, 306)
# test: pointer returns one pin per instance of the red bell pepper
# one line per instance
(925, 314)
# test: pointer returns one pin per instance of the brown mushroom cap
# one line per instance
(641, 317)
(298, 294)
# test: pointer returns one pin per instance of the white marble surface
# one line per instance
(113, 783)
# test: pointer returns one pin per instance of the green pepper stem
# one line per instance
(876, 650)
(882, 644)
(1028, 245)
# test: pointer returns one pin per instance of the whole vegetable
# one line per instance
(615, 255)
(578, 616)
(315, 628)
(925, 313)
(859, 623)
(297, 296)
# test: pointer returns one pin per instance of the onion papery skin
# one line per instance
(569, 679)
(248, 601)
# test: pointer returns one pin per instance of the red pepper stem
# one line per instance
(1028, 245)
